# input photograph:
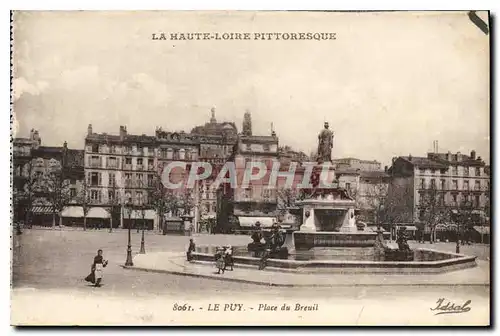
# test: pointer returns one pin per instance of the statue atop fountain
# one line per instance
(325, 144)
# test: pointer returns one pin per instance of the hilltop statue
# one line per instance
(325, 145)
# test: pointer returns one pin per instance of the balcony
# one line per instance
(112, 166)
(139, 167)
(95, 165)
(127, 166)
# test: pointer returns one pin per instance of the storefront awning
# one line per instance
(482, 229)
(73, 212)
(97, 213)
(408, 227)
(148, 214)
(250, 221)
(42, 210)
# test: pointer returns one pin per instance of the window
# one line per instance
(266, 147)
(478, 171)
(433, 184)
(112, 149)
(454, 198)
(466, 171)
(466, 185)
(128, 180)
(95, 195)
(476, 201)
(139, 164)
(433, 171)
(139, 197)
(443, 184)
(112, 180)
(150, 180)
(112, 162)
(139, 179)
(422, 170)
(95, 179)
(95, 148)
(95, 161)
(72, 192)
(128, 163)
(111, 195)
(477, 185)
(422, 183)
(151, 163)
(454, 184)
(454, 170)
(127, 149)
(266, 194)
(248, 147)
(348, 186)
(443, 171)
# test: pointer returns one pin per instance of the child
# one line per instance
(219, 260)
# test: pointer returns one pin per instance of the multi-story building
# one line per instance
(255, 202)
(53, 178)
(353, 163)
(21, 171)
(216, 143)
(454, 177)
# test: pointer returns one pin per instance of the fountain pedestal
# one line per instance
(329, 221)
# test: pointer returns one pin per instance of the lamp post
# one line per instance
(129, 261)
(143, 248)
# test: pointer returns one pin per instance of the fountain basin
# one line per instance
(425, 261)
(307, 240)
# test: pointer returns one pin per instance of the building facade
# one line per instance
(454, 178)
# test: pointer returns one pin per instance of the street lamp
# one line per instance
(143, 248)
(129, 261)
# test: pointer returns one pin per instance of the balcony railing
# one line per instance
(139, 167)
(127, 166)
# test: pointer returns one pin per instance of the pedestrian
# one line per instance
(219, 260)
(191, 249)
(97, 269)
(228, 257)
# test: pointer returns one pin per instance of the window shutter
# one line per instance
(99, 175)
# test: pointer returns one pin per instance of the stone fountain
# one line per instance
(328, 213)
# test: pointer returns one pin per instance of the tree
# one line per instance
(113, 203)
(372, 197)
(432, 210)
(162, 200)
(398, 206)
(84, 200)
(286, 198)
(58, 191)
(464, 217)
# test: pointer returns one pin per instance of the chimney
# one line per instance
(473, 154)
(385, 169)
(458, 156)
(65, 145)
(448, 156)
(409, 157)
(123, 132)
(89, 129)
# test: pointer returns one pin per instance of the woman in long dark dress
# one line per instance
(98, 265)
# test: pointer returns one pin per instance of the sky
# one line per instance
(389, 84)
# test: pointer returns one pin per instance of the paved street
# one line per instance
(51, 264)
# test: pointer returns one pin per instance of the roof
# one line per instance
(347, 171)
(424, 162)
(374, 174)
(215, 128)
